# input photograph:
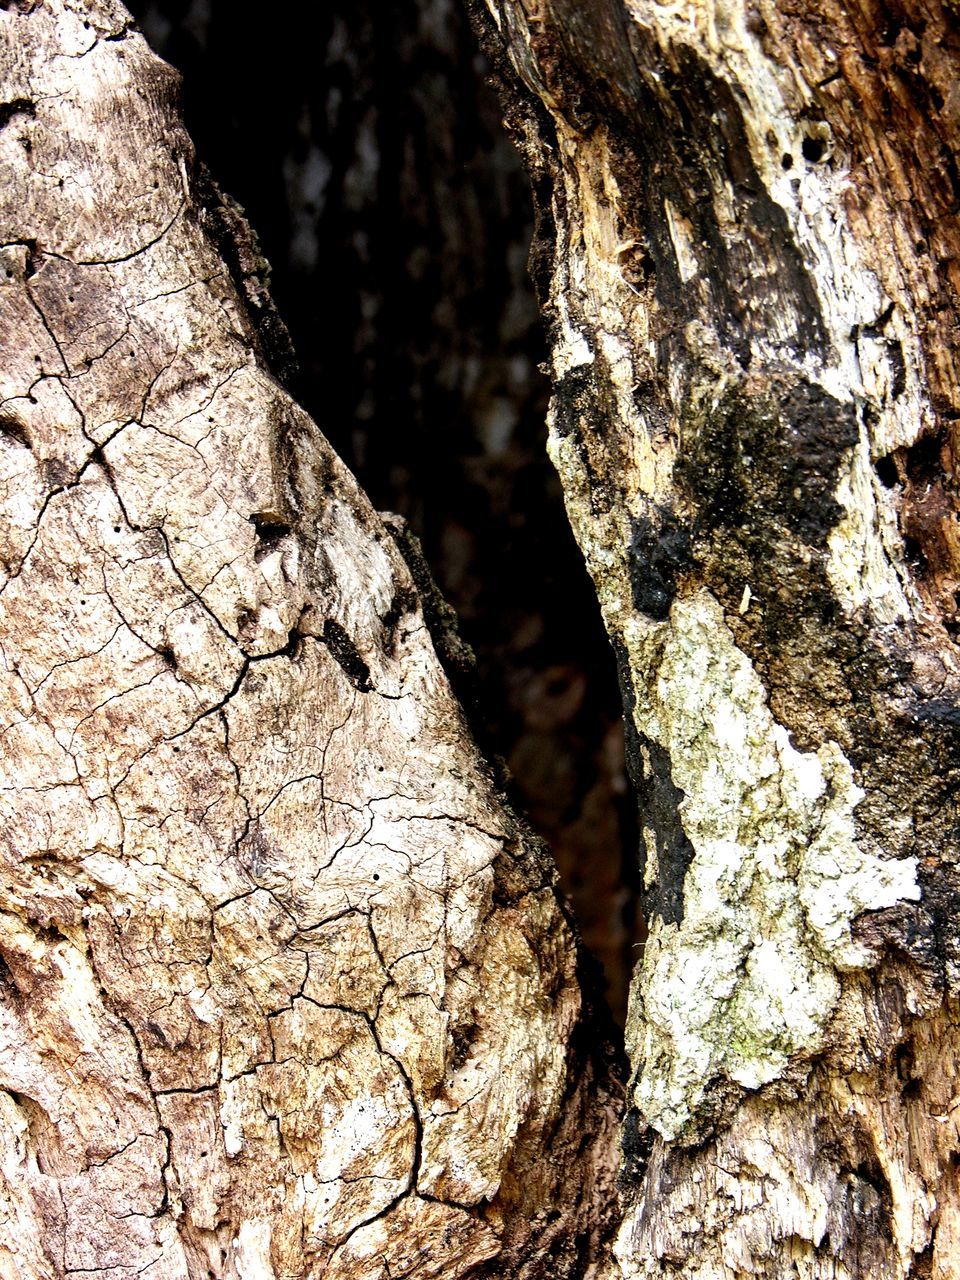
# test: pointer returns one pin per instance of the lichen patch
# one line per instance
(748, 978)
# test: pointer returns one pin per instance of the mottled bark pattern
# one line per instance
(286, 989)
(747, 259)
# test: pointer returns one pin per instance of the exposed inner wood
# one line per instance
(747, 261)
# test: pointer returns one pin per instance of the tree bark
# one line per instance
(747, 258)
(287, 990)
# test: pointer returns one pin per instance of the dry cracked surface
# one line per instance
(285, 987)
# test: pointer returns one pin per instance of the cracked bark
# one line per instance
(286, 989)
(747, 259)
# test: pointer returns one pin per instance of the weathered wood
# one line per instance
(747, 259)
(287, 990)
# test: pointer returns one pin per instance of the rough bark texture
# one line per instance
(747, 257)
(286, 989)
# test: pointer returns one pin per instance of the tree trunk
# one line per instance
(287, 989)
(396, 217)
(747, 258)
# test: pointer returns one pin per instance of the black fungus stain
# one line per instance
(658, 553)
(347, 655)
(575, 402)
(759, 469)
(658, 809)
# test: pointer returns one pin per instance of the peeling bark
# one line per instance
(747, 260)
(287, 990)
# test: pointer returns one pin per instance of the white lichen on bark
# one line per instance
(748, 978)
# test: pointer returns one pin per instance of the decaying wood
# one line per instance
(748, 262)
(286, 989)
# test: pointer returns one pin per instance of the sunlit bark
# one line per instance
(748, 264)
(287, 989)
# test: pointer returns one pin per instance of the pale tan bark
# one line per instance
(747, 260)
(287, 990)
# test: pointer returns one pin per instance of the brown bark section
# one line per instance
(747, 258)
(888, 108)
(287, 990)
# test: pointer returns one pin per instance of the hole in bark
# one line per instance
(168, 656)
(898, 368)
(347, 655)
(16, 107)
(270, 529)
(903, 1061)
(922, 460)
(913, 554)
(29, 263)
(786, 161)
(911, 1090)
(886, 469)
(14, 432)
(814, 149)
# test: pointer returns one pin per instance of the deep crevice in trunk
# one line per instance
(371, 161)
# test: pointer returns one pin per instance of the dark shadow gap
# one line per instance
(371, 161)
